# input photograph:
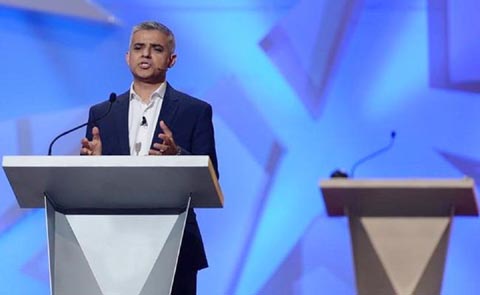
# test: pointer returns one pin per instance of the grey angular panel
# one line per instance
(77, 8)
(69, 266)
(160, 280)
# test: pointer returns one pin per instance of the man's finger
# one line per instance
(160, 147)
(85, 143)
(165, 129)
(153, 152)
(95, 133)
(167, 140)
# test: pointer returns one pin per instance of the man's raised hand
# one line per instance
(93, 147)
(168, 147)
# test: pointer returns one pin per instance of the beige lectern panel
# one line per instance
(399, 197)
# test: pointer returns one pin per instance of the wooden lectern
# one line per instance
(399, 229)
(115, 223)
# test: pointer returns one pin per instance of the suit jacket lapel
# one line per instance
(167, 113)
(121, 123)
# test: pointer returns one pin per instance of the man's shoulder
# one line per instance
(186, 99)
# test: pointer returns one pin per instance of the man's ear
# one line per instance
(127, 56)
(173, 60)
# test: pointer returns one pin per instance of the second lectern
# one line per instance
(399, 229)
(115, 223)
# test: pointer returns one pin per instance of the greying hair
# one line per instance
(152, 25)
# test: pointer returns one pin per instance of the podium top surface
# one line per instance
(113, 182)
(399, 197)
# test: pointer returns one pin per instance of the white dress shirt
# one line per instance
(142, 120)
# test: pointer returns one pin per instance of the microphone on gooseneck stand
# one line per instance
(112, 99)
(341, 174)
(374, 154)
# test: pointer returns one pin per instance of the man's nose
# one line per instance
(146, 51)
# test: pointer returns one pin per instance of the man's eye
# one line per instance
(158, 48)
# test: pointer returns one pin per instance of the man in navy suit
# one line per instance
(153, 118)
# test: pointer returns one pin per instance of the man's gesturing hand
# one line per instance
(168, 147)
(93, 147)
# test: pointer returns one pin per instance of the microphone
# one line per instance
(144, 122)
(342, 174)
(111, 99)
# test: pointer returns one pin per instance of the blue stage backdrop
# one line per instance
(299, 88)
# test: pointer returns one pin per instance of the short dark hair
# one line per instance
(153, 25)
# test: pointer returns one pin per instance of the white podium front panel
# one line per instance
(113, 254)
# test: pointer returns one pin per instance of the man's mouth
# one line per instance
(144, 65)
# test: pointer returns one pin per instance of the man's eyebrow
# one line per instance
(150, 44)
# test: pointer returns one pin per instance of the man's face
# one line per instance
(149, 56)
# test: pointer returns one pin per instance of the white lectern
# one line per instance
(399, 229)
(115, 223)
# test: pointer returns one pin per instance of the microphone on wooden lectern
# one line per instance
(342, 174)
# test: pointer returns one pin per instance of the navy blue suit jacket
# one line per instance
(190, 121)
